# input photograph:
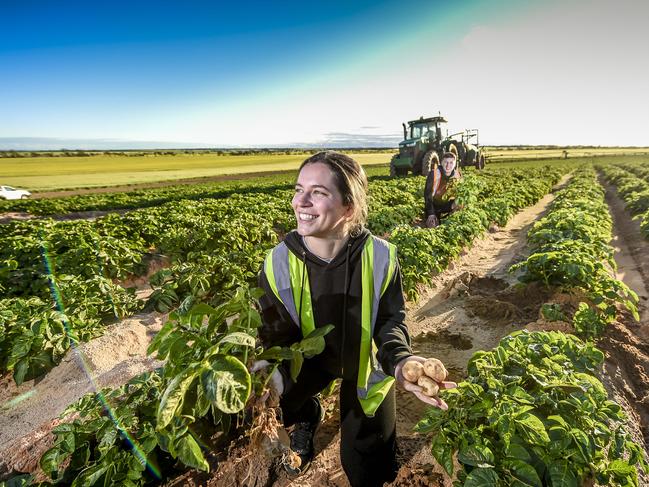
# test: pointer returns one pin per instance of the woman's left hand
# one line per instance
(417, 390)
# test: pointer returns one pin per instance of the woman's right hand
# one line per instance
(276, 380)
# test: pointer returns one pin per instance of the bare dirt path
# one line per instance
(30, 411)
(626, 344)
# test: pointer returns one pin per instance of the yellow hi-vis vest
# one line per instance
(284, 272)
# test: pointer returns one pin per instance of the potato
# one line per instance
(435, 369)
(412, 370)
(429, 386)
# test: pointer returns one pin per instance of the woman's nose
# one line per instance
(302, 199)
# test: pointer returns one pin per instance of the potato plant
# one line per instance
(632, 184)
(164, 421)
(531, 412)
(571, 251)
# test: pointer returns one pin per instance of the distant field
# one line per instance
(505, 154)
(50, 173)
(47, 173)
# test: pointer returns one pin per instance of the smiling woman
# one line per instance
(332, 271)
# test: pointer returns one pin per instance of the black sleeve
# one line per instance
(391, 333)
(429, 207)
(277, 327)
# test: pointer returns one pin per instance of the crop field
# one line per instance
(507, 154)
(129, 322)
(46, 174)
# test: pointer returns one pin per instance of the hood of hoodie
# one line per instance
(295, 242)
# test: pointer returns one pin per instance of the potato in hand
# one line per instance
(435, 369)
(428, 385)
(412, 371)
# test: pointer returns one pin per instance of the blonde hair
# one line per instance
(351, 182)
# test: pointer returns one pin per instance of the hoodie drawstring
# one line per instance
(344, 320)
(299, 312)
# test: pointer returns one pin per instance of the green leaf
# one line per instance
(276, 353)
(20, 371)
(164, 332)
(476, 456)
(201, 309)
(239, 338)
(50, 460)
(583, 444)
(532, 429)
(621, 468)
(173, 397)
(89, 476)
(22, 480)
(442, 450)
(190, 453)
(524, 472)
(561, 475)
(482, 477)
(518, 452)
(233, 384)
(314, 343)
(296, 364)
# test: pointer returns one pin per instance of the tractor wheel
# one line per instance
(452, 148)
(479, 161)
(394, 172)
(429, 161)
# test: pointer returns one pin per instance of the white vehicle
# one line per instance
(9, 193)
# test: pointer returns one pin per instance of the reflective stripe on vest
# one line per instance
(284, 272)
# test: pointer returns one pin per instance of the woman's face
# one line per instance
(318, 204)
(448, 164)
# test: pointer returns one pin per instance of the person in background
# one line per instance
(331, 270)
(439, 190)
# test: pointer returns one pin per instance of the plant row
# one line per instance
(163, 422)
(59, 280)
(531, 411)
(570, 251)
(632, 185)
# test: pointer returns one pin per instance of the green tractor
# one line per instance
(423, 146)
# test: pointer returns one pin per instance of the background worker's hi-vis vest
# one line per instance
(285, 274)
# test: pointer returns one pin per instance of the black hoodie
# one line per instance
(332, 305)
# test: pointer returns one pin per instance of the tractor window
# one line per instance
(417, 131)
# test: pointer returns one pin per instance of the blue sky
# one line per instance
(284, 73)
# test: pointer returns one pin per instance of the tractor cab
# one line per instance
(430, 128)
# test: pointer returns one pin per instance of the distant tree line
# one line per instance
(559, 147)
